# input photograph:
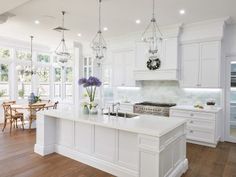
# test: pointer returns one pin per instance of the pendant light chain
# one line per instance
(153, 9)
(31, 52)
(152, 34)
(99, 17)
(98, 44)
(61, 51)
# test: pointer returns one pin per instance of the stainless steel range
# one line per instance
(160, 109)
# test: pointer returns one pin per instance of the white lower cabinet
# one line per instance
(203, 127)
(119, 152)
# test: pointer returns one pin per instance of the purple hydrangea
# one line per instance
(91, 81)
(82, 81)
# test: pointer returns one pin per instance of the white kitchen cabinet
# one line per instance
(190, 65)
(201, 65)
(210, 64)
(203, 127)
(122, 68)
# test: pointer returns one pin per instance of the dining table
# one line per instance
(26, 107)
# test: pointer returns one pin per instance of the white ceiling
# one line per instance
(118, 15)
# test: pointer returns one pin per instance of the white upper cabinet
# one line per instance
(190, 65)
(122, 68)
(201, 65)
(210, 64)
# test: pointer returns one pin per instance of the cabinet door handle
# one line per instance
(192, 114)
(191, 121)
(191, 131)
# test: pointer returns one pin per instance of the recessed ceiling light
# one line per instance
(105, 29)
(138, 21)
(79, 34)
(182, 12)
(37, 22)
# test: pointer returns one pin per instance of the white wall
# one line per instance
(230, 40)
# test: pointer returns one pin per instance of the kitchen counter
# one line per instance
(143, 146)
(192, 108)
(145, 124)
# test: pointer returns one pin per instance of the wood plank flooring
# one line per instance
(17, 159)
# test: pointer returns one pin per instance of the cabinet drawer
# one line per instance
(192, 114)
(180, 113)
(203, 115)
(199, 135)
(201, 123)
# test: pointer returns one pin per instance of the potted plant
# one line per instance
(90, 85)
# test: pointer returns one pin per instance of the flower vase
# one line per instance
(85, 110)
(93, 110)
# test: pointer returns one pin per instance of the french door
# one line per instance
(230, 102)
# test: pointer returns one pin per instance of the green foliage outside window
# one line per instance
(23, 55)
(4, 53)
(21, 93)
(3, 73)
(22, 75)
(43, 58)
(43, 74)
(69, 75)
(57, 75)
(2, 93)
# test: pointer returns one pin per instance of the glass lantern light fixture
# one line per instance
(29, 70)
(98, 44)
(61, 51)
(152, 34)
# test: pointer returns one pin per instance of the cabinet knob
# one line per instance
(191, 121)
(191, 131)
(192, 114)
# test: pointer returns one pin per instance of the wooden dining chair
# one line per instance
(9, 102)
(55, 105)
(11, 115)
(34, 108)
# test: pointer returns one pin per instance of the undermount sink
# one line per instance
(121, 114)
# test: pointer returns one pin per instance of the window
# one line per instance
(57, 82)
(4, 84)
(51, 80)
(69, 76)
(88, 67)
(43, 58)
(23, 55)
(69, 79)
(5, 53)
(44, 82)
(24, 81)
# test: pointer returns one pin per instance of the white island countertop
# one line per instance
(143, 124)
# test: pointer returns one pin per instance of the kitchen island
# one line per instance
(142, 146)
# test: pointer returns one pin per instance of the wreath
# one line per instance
(153, 63)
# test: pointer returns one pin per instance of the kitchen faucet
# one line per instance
(113, 106)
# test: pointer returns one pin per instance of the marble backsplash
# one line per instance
(163, 92)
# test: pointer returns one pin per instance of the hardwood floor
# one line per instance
(17, 159)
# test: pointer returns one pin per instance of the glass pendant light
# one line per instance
(32, 68)
(98, 44)
(152, 35)
(62, 51)
(28, 69)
